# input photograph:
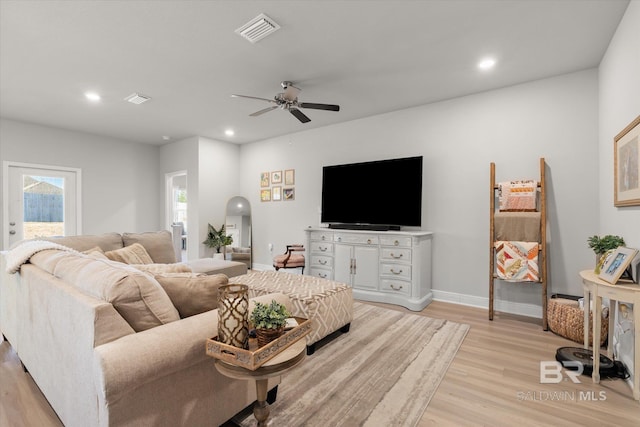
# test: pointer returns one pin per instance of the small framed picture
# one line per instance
(289, 193)
(264, 179)
(276, 194)
(289, 177)
(617, 263)
(276, 177)
(265, 195)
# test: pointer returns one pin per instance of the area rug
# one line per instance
(383, 372)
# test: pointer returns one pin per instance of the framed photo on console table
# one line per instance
(626, 166)
(617, 263)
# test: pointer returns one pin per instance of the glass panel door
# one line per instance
(42, 203)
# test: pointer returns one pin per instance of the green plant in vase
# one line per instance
(269, 321)
(603, 246)
(217, 238)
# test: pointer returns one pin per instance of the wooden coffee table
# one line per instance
(281, 363)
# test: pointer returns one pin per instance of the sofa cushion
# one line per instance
(133, 254)
(192, 293)
(217, 266)
(158, 244)
(106, 242)
(137, 296)
(163, 268)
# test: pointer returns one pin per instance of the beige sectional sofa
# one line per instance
(75, 332)
(110, 344)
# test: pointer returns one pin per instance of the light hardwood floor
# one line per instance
(494, 380)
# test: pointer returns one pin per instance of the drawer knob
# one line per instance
(368, 241)
(396, 272)
(322, 238)
(399, 287)
(396, 256)
(396, 243)
(322, 261)
(322, 248)
(322, 275)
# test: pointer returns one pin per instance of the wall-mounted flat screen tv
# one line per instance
(379, 195)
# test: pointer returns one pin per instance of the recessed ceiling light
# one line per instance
(92, 96)
(487, 64)
(229, 132)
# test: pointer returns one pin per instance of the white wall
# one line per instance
(120, 189)
(219, 171)
(619, 105)
(212, 179)
(619, 75)
(554, 118)
(183, 156)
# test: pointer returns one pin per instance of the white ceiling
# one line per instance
(369, 57)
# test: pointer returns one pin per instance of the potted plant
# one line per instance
(217, 238)
(269, 321)
(603, 246)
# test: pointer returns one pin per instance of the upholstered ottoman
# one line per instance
(328, 304)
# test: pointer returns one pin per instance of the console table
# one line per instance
(382, 266)
(626, 292)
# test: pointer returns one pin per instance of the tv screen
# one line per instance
(379, 193)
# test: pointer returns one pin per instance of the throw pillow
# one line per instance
(158, 244)
(95, 253)
(134, 254)
(137, 296)
(192, 293)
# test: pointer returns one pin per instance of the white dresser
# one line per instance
(382, 266)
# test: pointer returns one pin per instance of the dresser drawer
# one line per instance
(358, 239)
(395, 254)
(397, 270)
(397, 286)
(321, 273)
(321, 261)
(323, 236)
(321, 247)
(400, 241)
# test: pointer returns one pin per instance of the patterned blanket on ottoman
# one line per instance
(327, 303)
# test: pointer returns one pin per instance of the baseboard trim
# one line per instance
(529, 310)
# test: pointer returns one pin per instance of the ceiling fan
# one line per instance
(288, 100)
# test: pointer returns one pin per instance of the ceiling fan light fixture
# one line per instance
(258, 28)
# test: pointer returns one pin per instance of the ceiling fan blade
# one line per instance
(254, 97)
(265, 110)
(328, 107)
(299, 115)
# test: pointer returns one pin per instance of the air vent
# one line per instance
(258, 28)
(136, 98)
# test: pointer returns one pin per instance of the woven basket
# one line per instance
(265, 336)
(566, 319)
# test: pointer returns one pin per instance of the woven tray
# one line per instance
(256, 356)
(566, 319)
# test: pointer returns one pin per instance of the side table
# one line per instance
(627, 292)
(283, 362)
